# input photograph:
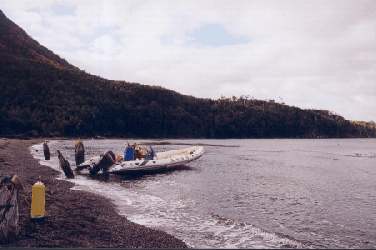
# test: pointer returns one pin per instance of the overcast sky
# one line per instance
(310, 54)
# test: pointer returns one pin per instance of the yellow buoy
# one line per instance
(38, 200)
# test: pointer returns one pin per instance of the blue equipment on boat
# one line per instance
(129, 154)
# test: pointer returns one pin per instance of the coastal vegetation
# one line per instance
(41, 94)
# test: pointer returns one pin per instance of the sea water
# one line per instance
(248, 193)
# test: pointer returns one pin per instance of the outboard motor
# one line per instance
(107, 160)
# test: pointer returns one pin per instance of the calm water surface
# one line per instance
(262, 194)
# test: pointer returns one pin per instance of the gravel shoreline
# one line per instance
(75, 218)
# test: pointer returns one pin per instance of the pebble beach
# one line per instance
(74, 218)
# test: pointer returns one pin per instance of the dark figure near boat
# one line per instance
(64, 165)
(79, 152)
(46, 151)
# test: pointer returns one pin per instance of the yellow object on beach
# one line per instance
(38, 200)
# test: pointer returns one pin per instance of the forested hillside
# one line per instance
(43, 95)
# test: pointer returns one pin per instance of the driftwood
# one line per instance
(79, 153)
(9, 214)
(46, 151)
(65, 166)
(107, 160)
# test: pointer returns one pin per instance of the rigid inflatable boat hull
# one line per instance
(162, 161)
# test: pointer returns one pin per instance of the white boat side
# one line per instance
(161, 160)
(91, 162)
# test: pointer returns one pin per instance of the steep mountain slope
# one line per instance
(43, 95)
(15, 44)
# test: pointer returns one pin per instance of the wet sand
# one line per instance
(74, 218)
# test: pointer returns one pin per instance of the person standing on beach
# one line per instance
(65, 166)
(46, 150)
(79, 152)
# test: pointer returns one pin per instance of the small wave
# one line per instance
(267, 151)
(359, 155)
(200, 231)
(356, 155)
(257, 233)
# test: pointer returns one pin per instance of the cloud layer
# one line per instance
(311, 54)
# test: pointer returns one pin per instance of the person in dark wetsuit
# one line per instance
(65, 166)
(79, 152)
(46, 150)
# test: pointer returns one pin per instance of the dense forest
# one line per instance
(41, 94)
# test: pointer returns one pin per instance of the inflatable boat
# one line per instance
(161, 161)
